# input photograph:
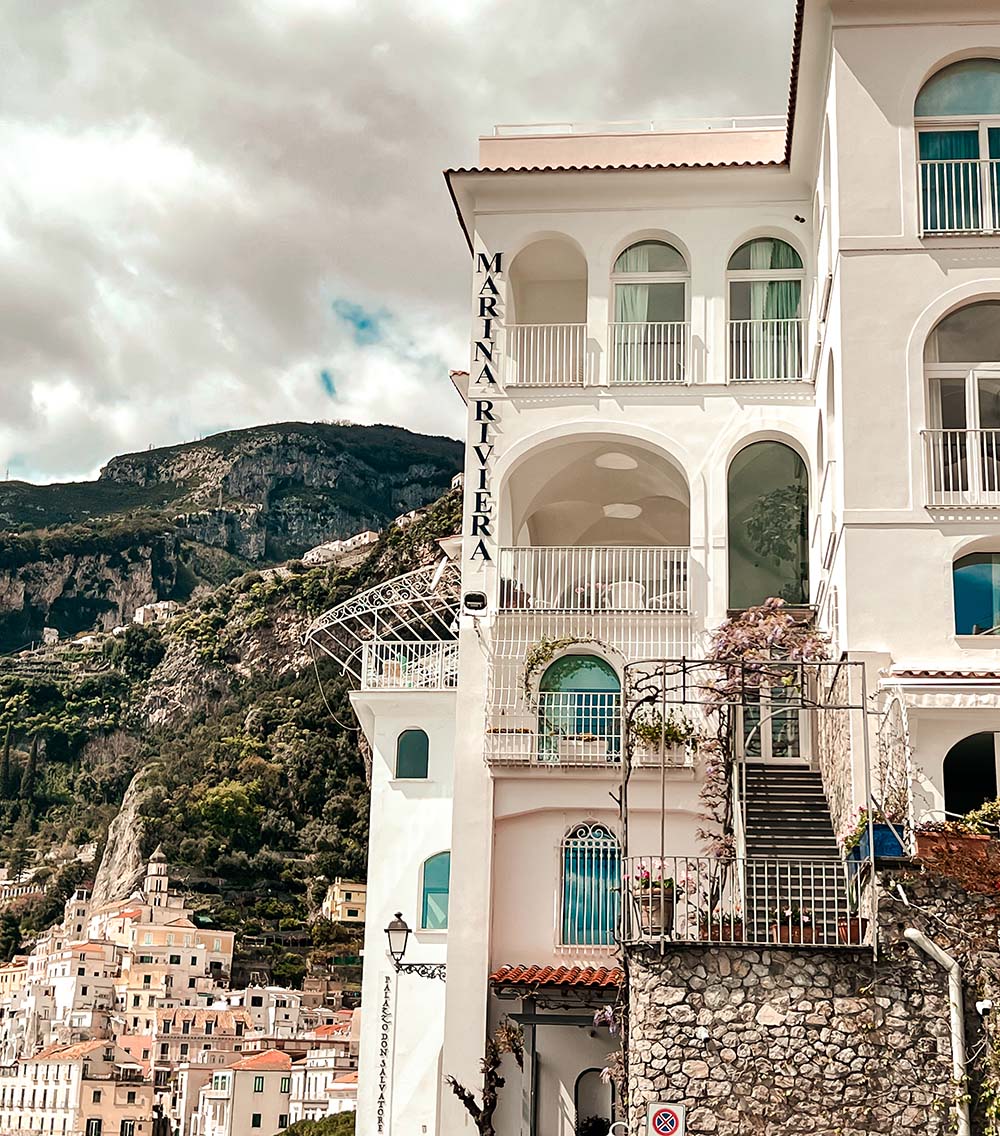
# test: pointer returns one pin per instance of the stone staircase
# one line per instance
(792, 852)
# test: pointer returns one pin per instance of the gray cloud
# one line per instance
(192, 192)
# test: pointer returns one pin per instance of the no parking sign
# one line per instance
(665, 1119)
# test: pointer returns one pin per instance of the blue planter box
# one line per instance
(888, 845)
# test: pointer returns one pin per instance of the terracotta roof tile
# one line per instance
(269, 1060)
(949, 674)
(557, 976)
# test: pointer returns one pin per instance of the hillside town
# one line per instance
(122, 1020)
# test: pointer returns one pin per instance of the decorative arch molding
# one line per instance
(514, 250)
(653, 234)
(967, 547)
(945, 304)
(628, 435)
(771, 232)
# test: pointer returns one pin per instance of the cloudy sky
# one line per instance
(217, 213)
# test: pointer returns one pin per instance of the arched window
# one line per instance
(970, 773)
(976, 581)
(958, 139)
(768, 526)
(411, 755)
(591, 879)
(545, 322)
(579, 711)
(649, 335)
(434, 886)
(765, 311)
(962, 367)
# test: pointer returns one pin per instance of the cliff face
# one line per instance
(95, 589)
(73, 556)
(122, 865)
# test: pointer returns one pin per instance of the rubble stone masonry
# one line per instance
(796, 1040)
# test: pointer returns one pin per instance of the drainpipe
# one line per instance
(957, 1022)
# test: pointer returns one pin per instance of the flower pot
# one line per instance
(583, 751)
(722, 932)
(852, 930)
(656, 912)
(785, 933)
(887, 843)
(931, 845)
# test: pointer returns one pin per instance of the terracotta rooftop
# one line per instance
(988, 676)
(71, 1052)
(270, 1060)
(557, 976)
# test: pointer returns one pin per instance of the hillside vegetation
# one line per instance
(252, 774)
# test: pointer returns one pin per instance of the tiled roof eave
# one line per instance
(551, 977)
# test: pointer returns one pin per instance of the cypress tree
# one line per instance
(27, 790)
(5, 785)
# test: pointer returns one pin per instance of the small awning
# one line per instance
(550, 977)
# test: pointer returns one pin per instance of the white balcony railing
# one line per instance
(544, 354)
(389, 665)
(960, 196)
(962, 467)
(648, 353)
(580, 579)
(752, 901)
(568, 728)
(766, 350)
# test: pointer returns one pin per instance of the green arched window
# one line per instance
(434, 887)
(579, 706)
(768, 526)
(411, 755)
(591, 879)
(957, 146)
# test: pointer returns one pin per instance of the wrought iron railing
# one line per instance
(648, 353)
(544, 354)
(962, 467)
(752, 901)
(766, 350)
(578, 579)
(394, 665)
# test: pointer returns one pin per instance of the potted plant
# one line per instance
(938, 838)
(656, 896)
(884, 840)
(851, 929)
(792, 924)
(723, 926)
(508, 741)
(675, 733)
(587, 748)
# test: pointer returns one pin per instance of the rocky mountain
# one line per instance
(214, 734)
(156, 525)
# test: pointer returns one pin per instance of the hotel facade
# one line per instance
(713, 364)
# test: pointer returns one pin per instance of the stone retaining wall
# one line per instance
(786, 1040)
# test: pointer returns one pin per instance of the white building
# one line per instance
(344, 901)
(323, 1082)
(273, 1010)
(247, 1097)
(712, 364)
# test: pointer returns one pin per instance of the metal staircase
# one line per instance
(792, 855)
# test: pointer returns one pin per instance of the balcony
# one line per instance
(395, 665)
(749, 901)
(544, 354)
(591, 579)
(959, 196)
(653, 353)
(962, 468)
(766, 350)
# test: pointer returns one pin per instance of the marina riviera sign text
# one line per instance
(484, 366)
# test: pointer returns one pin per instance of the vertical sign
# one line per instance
(489, 271)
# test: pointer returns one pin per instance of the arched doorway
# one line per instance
(768, 494)
(579, 710)
(594, 1101)
(970, 773)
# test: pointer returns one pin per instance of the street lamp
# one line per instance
(398, 934)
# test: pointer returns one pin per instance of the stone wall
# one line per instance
(790, 1040)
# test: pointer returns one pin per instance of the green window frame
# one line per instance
(435, 885)
(412, 755)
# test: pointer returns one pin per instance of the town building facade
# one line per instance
(714, 365)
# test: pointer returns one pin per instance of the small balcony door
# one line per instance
(771, 726)
(965, 420)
